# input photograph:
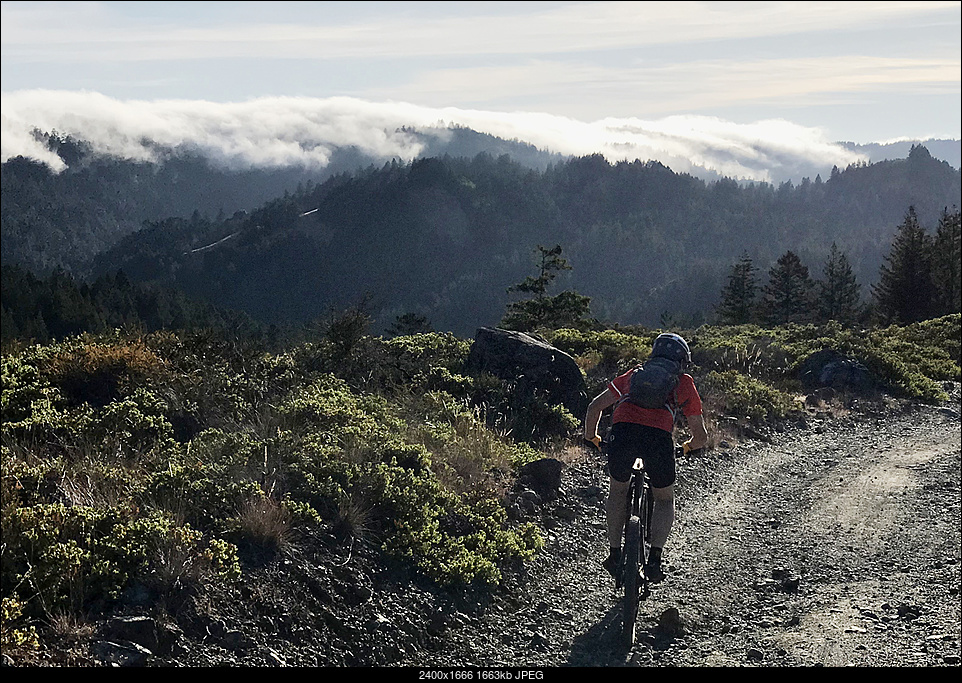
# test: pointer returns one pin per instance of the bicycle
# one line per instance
(637, 545)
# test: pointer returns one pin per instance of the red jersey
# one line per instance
(686, 397)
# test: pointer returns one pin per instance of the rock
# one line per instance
(123, 653)
(235, 641)
(144, 631)
(136, 629)
(828, 369)
(534, 364)
(543, 477)
(755, 654)
(671, 623)
(566, 514)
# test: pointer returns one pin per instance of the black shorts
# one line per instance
(628, 441)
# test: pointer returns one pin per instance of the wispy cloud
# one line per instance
(304, 131)
(655, 90)
(835, 64)
(57, 30)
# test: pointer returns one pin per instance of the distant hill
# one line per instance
(63, 220)
(946, 150)
(444, 238)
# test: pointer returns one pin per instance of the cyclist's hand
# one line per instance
(594, 441)
(688, 450)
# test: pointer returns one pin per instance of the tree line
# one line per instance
(59, 306)
(442, 239)
(918, 279)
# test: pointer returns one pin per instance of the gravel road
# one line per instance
(832, 543)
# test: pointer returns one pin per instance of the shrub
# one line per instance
(736, 394)
(13, 636)
(98, 373)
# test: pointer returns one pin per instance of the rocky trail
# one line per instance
(833, 543)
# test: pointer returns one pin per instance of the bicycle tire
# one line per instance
(645, 509)
(632, 577)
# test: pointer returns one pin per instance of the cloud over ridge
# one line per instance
(286, 131)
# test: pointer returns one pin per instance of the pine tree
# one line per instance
(788, 295)
(947, 264)
(905, 292)
(567, 309)
(737, 306)
(839, 292)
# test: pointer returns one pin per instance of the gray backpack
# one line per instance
(653, 384)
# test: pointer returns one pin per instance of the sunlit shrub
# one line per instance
(739, 395)
(99, 373)
(13, 635)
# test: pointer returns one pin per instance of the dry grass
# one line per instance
(265, 523)
(354, 517)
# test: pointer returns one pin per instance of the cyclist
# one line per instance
(644, 432)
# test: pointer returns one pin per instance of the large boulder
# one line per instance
(543, 477)
(532, 363)
(830, 369)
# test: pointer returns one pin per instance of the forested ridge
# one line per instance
(445, 237)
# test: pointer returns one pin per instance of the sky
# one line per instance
(715, 83)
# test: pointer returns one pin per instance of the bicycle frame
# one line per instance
(636, 545)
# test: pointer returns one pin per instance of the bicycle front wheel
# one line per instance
(632, 581)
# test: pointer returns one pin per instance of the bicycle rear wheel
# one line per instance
(645, 509)
(632, 578)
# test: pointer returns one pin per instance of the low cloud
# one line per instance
(285, 131)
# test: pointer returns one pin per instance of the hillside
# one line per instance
(64, 219)
(182, 498)
(444, 238)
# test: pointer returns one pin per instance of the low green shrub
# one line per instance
(732, 393)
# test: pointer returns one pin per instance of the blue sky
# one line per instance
(811, 72)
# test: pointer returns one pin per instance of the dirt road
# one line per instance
(834, 544)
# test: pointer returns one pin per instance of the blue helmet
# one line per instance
(673, 347)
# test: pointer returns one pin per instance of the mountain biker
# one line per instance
(645, 432)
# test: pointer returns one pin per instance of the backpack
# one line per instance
(653, 384)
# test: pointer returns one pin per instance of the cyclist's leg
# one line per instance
(621, 451)
(662, 515)
(660, 465)
(615, 507)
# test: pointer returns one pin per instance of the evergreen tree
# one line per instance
(737, 306)
(905, 292)
(839, 292)
(947, 264)
(788, 295)
(567, 309)
(410, 323)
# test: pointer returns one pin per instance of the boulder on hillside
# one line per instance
(830, 369)
(543, 477)
(533, 364)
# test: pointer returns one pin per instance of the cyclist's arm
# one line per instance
(598, 405)
(699, 434)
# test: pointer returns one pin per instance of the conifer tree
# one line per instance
(737, 306)
(567, 309)
(788, 295)
(839, 292)
(905, 292)
(947, 264)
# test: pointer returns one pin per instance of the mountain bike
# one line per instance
(637, 544)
